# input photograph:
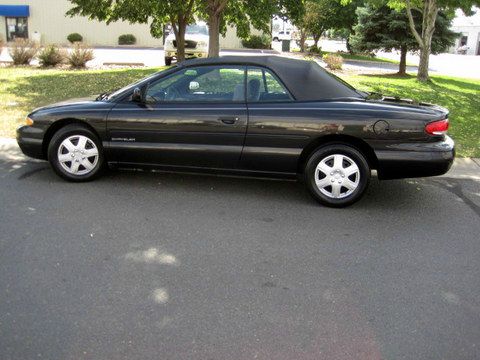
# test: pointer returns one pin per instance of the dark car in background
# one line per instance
(263, 116)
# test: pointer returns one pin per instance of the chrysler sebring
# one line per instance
(263, 116)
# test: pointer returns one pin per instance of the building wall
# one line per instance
(473, 40)
(47, 17)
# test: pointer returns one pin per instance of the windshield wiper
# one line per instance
(105, 95)
(102, 96)
(373, 95)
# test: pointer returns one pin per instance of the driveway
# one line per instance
(165, 266)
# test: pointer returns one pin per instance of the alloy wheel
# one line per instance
(78, 155)
(337, 176)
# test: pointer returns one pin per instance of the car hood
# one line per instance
(80, 104)
(77, 102)
(194, 37)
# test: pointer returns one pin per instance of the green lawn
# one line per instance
(23, 89)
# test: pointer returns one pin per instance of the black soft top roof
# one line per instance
(306, 80)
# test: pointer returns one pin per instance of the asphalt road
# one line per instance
(166, 266)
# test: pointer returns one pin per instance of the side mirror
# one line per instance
(137, 95)
(194, 85)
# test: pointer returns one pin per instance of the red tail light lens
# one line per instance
(438, 127)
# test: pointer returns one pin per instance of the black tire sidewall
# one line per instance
(57, 139)
(321, 153)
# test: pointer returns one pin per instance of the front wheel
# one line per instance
(168, 61)
(337, 175)
(75, 153)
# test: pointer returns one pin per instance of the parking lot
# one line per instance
(178, 266)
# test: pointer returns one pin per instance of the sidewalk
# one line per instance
(463, 168)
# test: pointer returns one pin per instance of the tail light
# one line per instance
(438, 127)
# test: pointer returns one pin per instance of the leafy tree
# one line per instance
(294, 10)
(423, 26)
(383, 28)
(179, 13)
(240, 13)
(316, 16)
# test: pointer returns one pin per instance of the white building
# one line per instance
(45, 20)
(469, 27)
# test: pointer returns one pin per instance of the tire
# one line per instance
(275, 39)
(76, 142)
(168, 61)
(337, 175)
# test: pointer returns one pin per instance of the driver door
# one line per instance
(195, 117)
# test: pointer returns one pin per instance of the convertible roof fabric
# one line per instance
(306, 80)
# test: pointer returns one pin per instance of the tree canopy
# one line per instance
(179, 13)
(384, 28)
(423, 26)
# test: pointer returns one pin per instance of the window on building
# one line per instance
(17, 27)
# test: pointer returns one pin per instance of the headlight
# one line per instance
(28, 121)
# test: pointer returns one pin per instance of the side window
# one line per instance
(200, 84)
(263, 86)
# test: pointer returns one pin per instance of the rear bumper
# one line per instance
(30, 140)
(416, 160)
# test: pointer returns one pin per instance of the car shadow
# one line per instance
(390, 194)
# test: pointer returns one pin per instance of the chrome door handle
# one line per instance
(229, 120)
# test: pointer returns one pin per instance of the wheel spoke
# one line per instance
(338, 161)
(74, 167)
(324, 168)
(350, 185)
(336, 190)
(322, 183)
(64, 158)
(352, 169)
(91, 152)
(87, 164)
(68, 145)
(82, 142)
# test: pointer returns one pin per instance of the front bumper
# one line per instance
(30, 141)
(189, 53)
(416, 160)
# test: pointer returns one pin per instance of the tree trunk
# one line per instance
(429, 16)
(303, 38)
(316, 37)
(214, 34)
(402, 68)
(179, 31)
(422, 74)
(348, 46)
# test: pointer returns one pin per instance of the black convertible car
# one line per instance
(267, 116)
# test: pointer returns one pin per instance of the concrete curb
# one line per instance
(462, 168)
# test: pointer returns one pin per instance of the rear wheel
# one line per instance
(75, 153)
(337, 175)
(168, 61)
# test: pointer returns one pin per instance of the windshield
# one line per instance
(120, 91)
(197, 29)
